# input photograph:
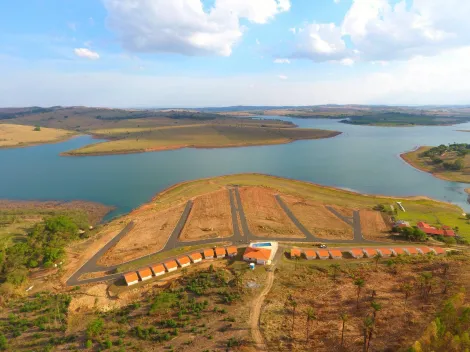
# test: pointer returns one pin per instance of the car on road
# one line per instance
(322, 246)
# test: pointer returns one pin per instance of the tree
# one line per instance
(377, 257)
(94, 328)
(37, 128)
(376, 307)
(310, 317)
(336, 268)
(367, 328)
(406, 288)
(293, 304)
(359, 283)
(3, 342)
(426, 282)
(344, 318)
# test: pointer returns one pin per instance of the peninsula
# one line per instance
(447, 162)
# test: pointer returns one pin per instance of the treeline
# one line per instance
(449, 331)
(401, 118)
(460, 150)
(43, 247)
(172, 114)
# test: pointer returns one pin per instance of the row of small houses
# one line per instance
(364, 252)
(184, 261)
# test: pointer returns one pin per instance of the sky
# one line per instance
(196, 53)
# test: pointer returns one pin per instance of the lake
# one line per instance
(364, 159)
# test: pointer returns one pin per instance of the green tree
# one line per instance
(37, 128)
(88, 344)
(95, 328)
(377, 258)
(3, 342)
(376, 308)
(310, 317)
(359, 283)
(368, 329)
(336, 269)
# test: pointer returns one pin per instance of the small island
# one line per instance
(447, 162)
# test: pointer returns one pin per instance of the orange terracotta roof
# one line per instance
(232, 250)
(157, 268)
(195, 256)
(323, 253)
(412, 250)
(370, 251)
(208, 252)
(257, 253)
(144, 272)
(399, 250)
(171, 264)
(184, 260)
(219, 251)
(310, 253)
(130, 277)
(439, 250)
(425, 250)
(357, 252)
(385, 251)
(294, 252)
(336, 253)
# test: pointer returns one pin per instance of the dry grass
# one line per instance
(396, 328)
(319, 220)
(21, 136)
(264, 215)
(373, 224)
(150, 234)
(209, 218)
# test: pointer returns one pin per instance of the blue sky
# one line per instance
(231, 52)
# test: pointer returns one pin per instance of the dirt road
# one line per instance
(256, 312)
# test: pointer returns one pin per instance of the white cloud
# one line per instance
(258, 42)
(281, 61)
(347, 62)
(86, 53)
(336, 1)
(183, 26)
(283, 77)
(384, 30)
(293, 30)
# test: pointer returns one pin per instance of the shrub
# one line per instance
(88, 344)
(37, 128)
(3, 342)
(95, 328)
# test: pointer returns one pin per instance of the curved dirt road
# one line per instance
(256, 312)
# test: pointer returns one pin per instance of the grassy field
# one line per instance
(417, 208)
(425, 164)
(195, 136)
(21, 136)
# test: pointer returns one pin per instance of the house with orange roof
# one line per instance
(131, 278)
(310, 254)
(438, 250)
(158, 269)
(258, 255)
(232, 251)
(219, 252)
(171, 265)
(369, 252)
(336, 254)
(208, 254)
(356, 253)
(295, 253)
(183, 261)
(323, 254)
(385, 252)
(398, 251)
(195, 257)
(145, 274)
(411, 251)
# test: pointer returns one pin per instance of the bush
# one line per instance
(3, 342)
(88, 344)
(95, 328)
(37, 128)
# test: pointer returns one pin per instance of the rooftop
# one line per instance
(208, 252)
(171, 264)
(336, 253)
(195, 256)
(257, 253)
(310, 253)
(130, 277)
(144, 272)
(295, 252)
(323, 253)
(219, 251)
(232, 250)
(157, 268)
(184, 260)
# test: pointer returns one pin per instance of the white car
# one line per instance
(323, 246)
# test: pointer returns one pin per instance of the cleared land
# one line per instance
(399, 322)
(425, 164)
(151, 232)
(210, 217)
(264, 215)
(319, 220)
(373, 225)
(12, 136)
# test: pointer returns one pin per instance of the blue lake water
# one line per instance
(365, 159)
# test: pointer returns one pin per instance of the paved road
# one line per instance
(237, 238)
(346, 219)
